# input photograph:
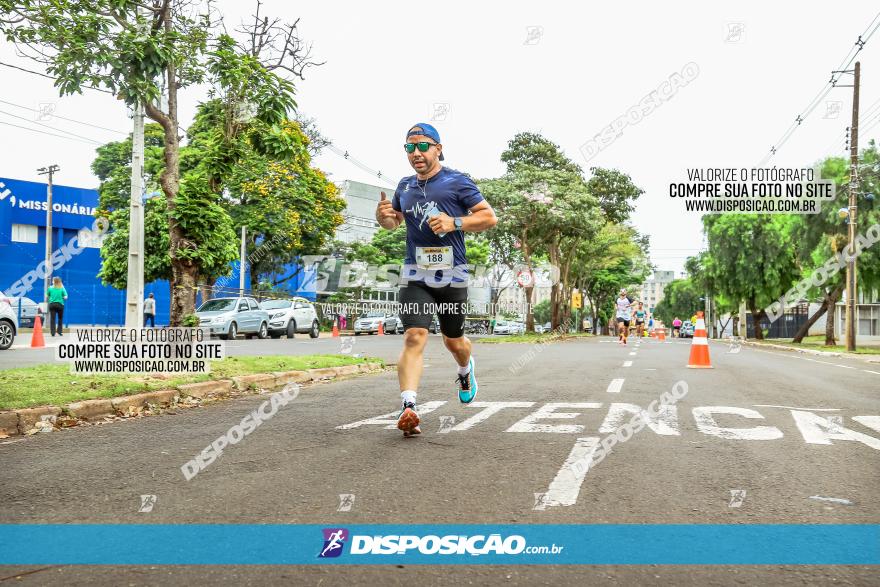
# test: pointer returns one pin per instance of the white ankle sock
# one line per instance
(408, 396)
(464, 370)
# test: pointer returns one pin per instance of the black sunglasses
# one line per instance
(423, 146)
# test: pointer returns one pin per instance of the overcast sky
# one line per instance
(566, 70)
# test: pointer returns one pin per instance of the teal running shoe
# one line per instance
(467, 384)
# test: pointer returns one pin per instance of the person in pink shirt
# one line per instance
(676, 327)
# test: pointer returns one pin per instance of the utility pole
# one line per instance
(134, 309)
(50, 171)
(851, 324)
(241, 264)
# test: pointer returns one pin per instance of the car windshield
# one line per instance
(501, 323)
(218, 305)
(374, 315)
(275, 304)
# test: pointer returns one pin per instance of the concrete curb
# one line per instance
(782, 347)
(25, 420)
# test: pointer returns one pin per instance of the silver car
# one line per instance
(369, 323)
(229, 317)
(287, 317)
(8, 321)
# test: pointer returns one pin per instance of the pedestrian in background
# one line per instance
(56, 295)
(150, 311)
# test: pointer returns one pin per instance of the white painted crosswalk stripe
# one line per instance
(566, 486)
(627, 363)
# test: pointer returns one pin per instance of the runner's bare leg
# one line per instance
(410, 364)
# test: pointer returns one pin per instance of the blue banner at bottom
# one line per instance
(509, 544)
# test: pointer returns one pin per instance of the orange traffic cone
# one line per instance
(335, 328)
(700, 347)
(37, 337)
(381, 331)
(661, 334)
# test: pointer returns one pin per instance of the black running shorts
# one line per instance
(625, 322)
(419, 303)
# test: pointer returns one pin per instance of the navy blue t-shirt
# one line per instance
(454, 194)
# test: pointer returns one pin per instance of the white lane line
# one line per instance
(566, 485)
(627, 363)
(632, 354)
(869, 371)
(791, 408)
(839, 500)
(650, 369)
(615, 385)
(812, 360)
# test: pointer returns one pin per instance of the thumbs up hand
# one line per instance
(385, 213)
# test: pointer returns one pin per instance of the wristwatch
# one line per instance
(457, 222)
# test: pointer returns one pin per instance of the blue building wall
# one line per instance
(89, 301)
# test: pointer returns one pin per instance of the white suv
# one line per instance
(291, 316)
(8, 325)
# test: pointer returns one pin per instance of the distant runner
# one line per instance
(676, 328)
(640, 320)
(624, 315)
(438, 205)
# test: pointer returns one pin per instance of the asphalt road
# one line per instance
(695, 465)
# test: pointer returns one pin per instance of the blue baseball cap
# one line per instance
(421, 128)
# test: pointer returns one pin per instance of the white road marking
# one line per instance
(614, 386)
(566, 486)
(872, 422)
(869, 371)
(818, 430)
(652, 369)
(391, 417)
(843, 366)
(546, 412)
(832, 499)
(792, 408)
(665, 423)
(490, 408)
(632, 354)
(627, 363)
(707, 424)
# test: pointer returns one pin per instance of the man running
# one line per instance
(438, 205)
(640, 320)
(624, 314)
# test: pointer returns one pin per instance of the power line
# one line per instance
(63, 118)
(50, 127)
(345, 155)
(87, 141)
(829, 85)
(863, 117)
(46, 75)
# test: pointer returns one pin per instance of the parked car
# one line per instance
(687, 330)
(8, 325)
(434, 328)
(369, 323)
(29, 310)
(229, 317)
(287, 317)
(505, 327)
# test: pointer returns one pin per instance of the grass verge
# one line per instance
(530, 337)
(817, 343)
(27, 387)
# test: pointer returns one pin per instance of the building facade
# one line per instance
(652, 290)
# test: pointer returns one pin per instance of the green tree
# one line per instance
(136, 50)
(751, 257)
(615, 259)
(682, 298)
(824, 236)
